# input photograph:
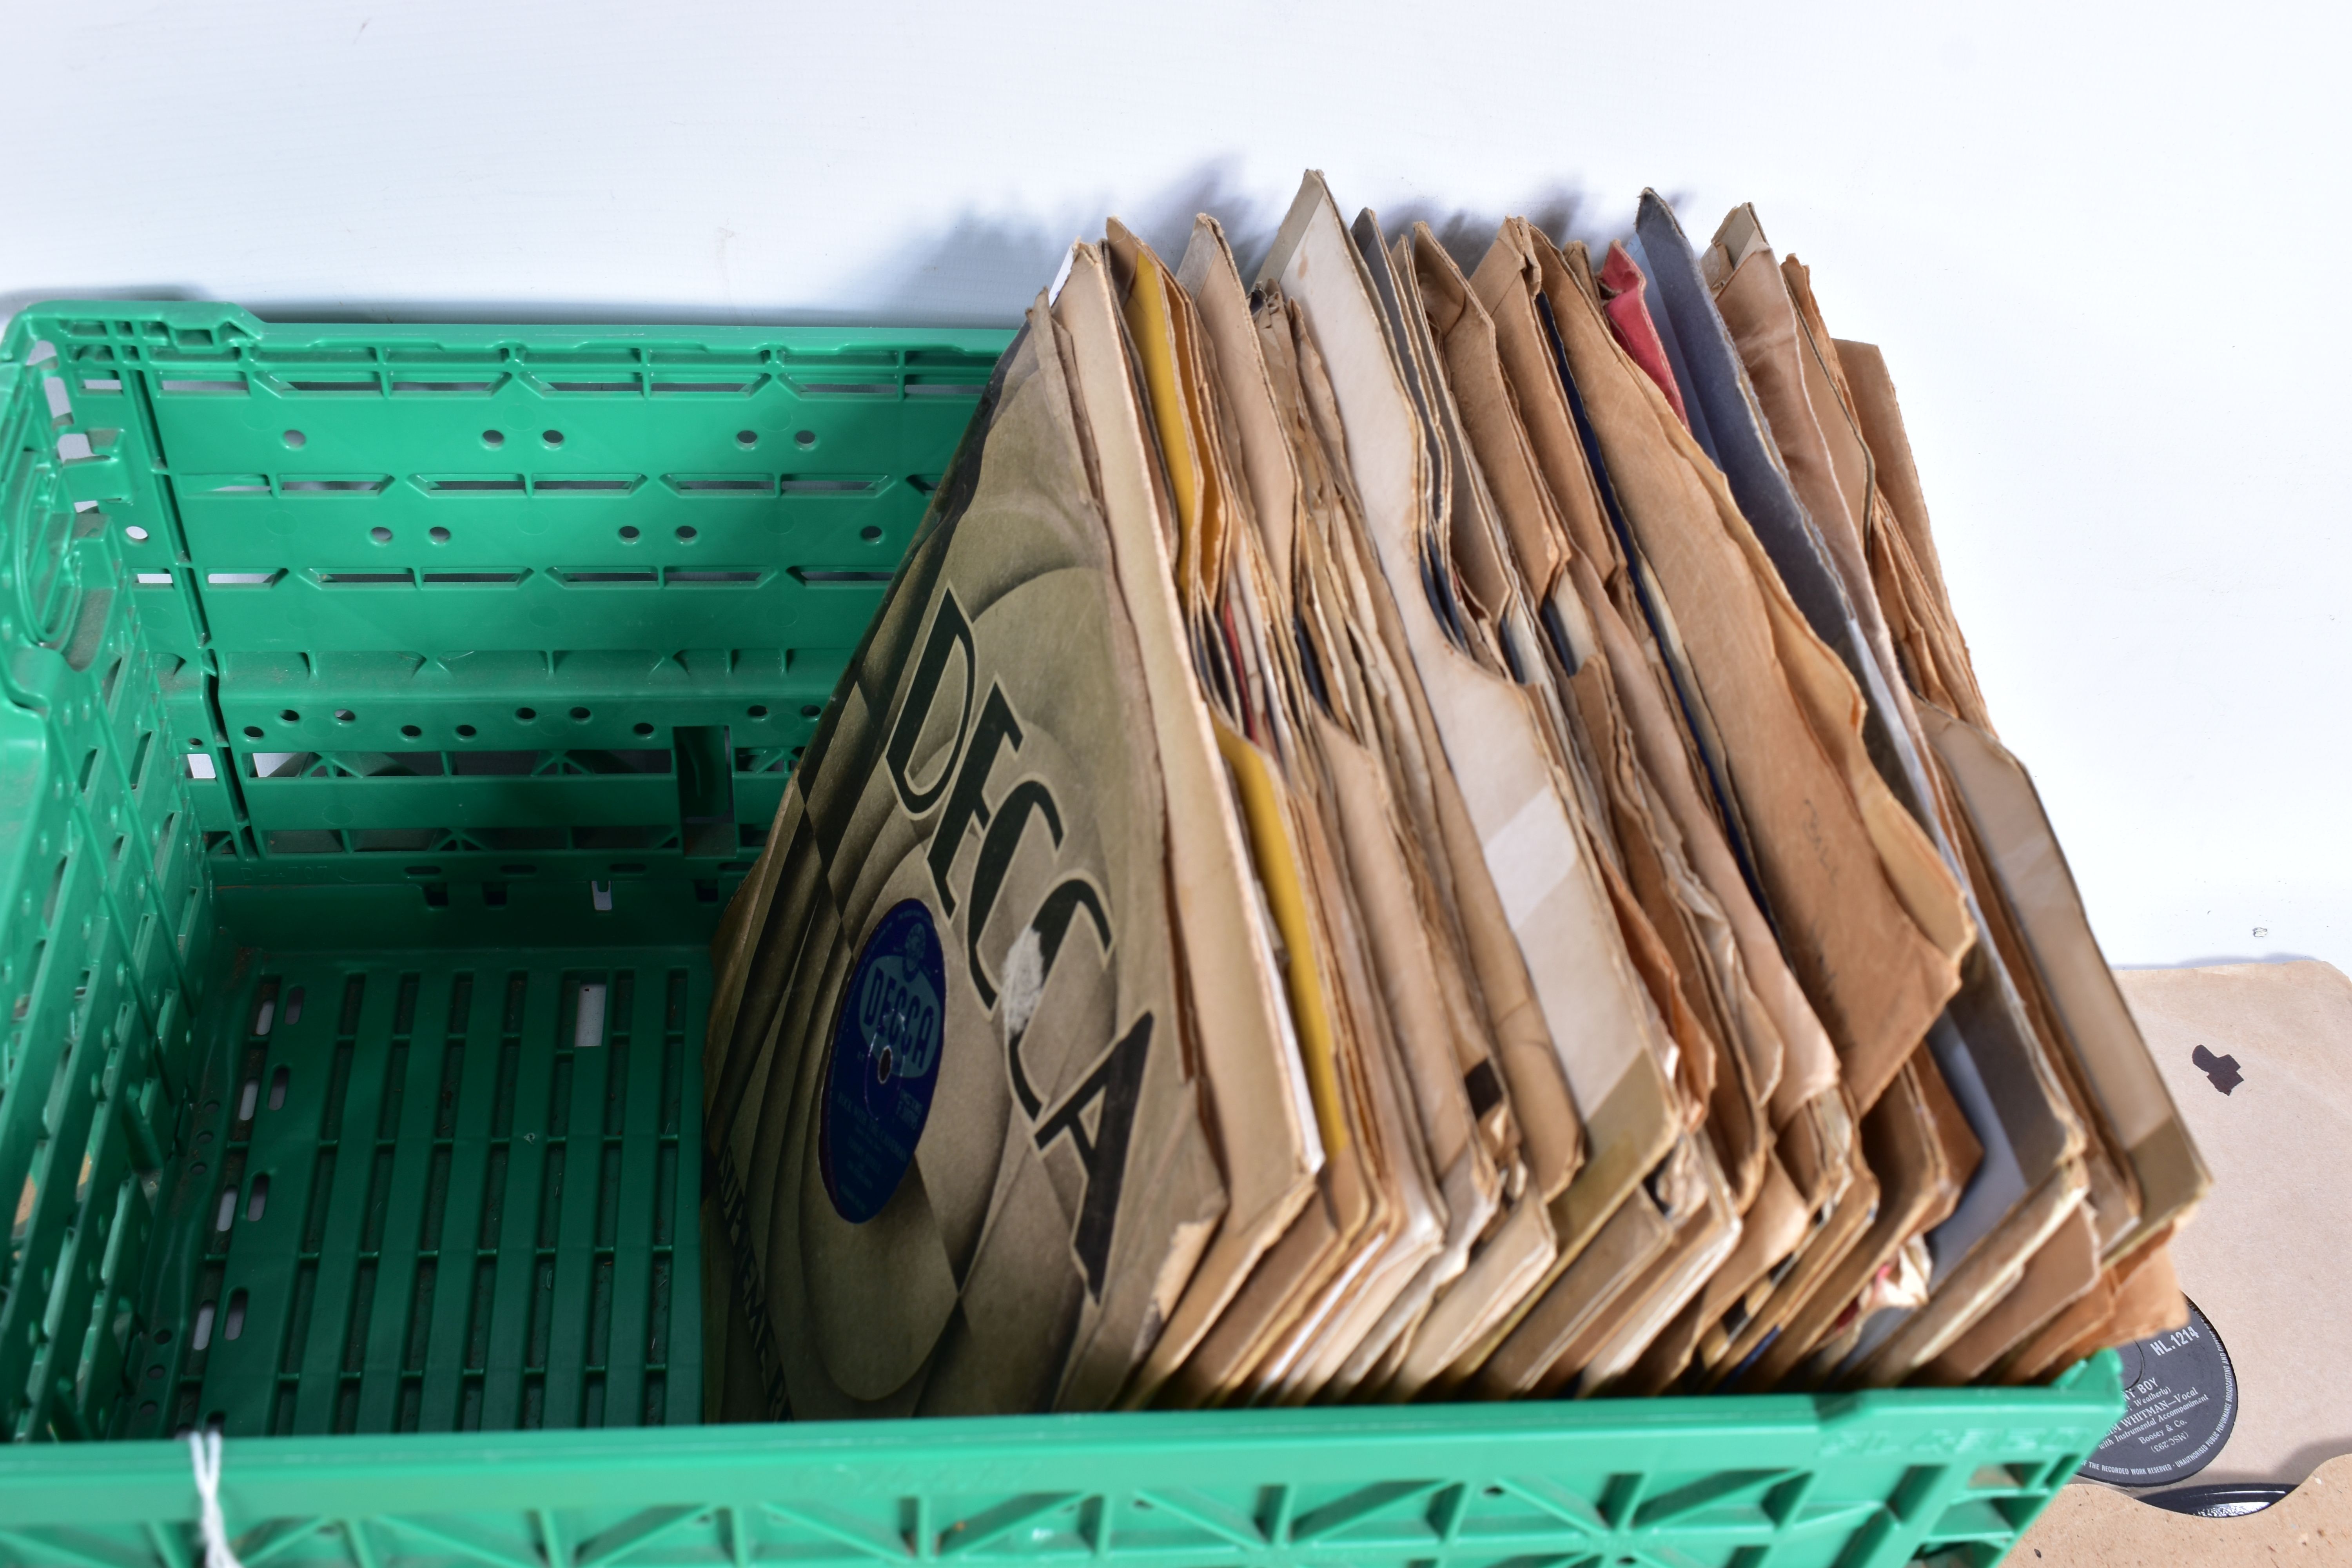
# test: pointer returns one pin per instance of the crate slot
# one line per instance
(368, 485)
(212, 387)
(830, 576)
(507, 840)
(476, 578)
(625, 837)
(597, 577)
(844, 388)
(397, 840)
(726, 388)
(385, 764)
(481, 388)
(242, 579)
(721, 484)
(688, 577)
(633, 760)
(402, 577)
(478, 484)
(499, 764)
(705, 789)
(588, 1018)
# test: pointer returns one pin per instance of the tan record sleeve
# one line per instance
(958, 1150)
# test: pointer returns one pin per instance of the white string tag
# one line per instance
(205, 1451)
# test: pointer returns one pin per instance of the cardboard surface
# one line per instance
(2264, 1258)
(2092, 1526)
(984, 1195)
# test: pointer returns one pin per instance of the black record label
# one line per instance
(2180, 1400)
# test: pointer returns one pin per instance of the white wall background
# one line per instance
(2099, 243)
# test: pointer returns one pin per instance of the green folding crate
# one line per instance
(386, 714)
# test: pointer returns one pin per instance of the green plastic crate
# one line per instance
(386, 714)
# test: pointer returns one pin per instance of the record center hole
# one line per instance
(882, 1066)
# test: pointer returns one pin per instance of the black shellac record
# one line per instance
(2180, 1400)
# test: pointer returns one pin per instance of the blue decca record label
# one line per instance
(885, 1063)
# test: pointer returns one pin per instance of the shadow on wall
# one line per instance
(18, 299)
(980, 269)
(1565, 211)
(984, 269)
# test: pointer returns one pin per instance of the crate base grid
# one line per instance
(386, 713)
